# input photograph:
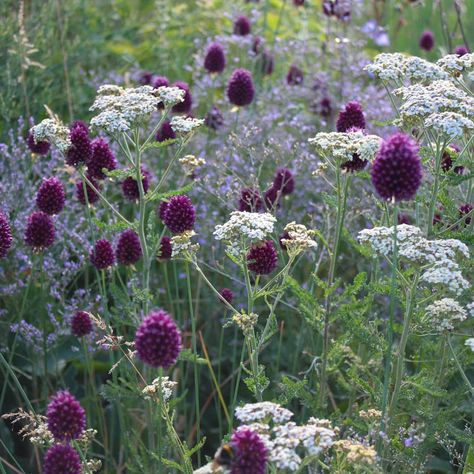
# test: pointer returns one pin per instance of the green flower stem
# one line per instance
(434, 194)
(459, 366)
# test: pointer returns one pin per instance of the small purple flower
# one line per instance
(257, 44)
(158, 340)
(284, 181)
(166, 249)
(272, 197)
(325, 107)
(250, 200)
(356, 164)
(102, 157)
(262, 258)
(65, 417)
(179, 214)
(129, 250)
(295, 76)
(130, 186)
(427, 40)
(39, 233)
(214, 118)
(396, 171)
(351, 116)
(50, 197)
(92, 196)
(227, 294)
(240, 89)
(242, 26)
(80, 150)
(186, 105)
(160, 81)
(461, 50)
(6, 238)
(215, 58)
(267, 63)
(251, 455)
(145, 78)
(38, 148)
(463, 211)
(298, 3)
(102, 256)
(62, 459)
(165, 132)
(81, 324)
(403, 219)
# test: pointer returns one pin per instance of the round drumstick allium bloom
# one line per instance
(227, 294)
(396, 171)
(160, 81)
(179, 215)
(40, 147)
(130, 186)
(186, 105)
(102, 256)
(6, 238)
(165, 132)
(250, 200)
(262, 258)
(166, 249)
(461, 50)
(50, 197)
(81, 324)
(464, 210)
(129, 250)
(145, 78)
(351, 116)
(295, 76)
(39, 232)
(284, 181)
(355, 164)
(62, 459)
(215, 58)
(65, 417)
(242, 26)
(240, 89)
(214, 118)
(101, 157)
(80, 150)
(158, 340)
(427, 40)
(251, 455)
(272, 197)
(92, 196)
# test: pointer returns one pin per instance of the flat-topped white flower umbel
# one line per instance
(444, 314)
(455, 65)
(388, 66)
(450, 124)
(250, 225)
(53, 131)
(185, 125)
(298, 239)
(470, 343)
(263, 412)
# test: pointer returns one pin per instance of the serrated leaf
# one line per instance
(160, 196)
(187, 356)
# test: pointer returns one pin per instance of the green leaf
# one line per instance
(187, 356)
(160, 196)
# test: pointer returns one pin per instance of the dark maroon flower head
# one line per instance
(129, 250)
(38, 148)
(284, 236)
(250, 200)
(158, 340)
(186, 105)
(80, 150)
(145, 78)
(214, 118)
(447, 158)
(81, 324)
(160, 81)
(242, 26)
(325, 107)
(272, 197)
(240, 89)
(437, 218)
(65, 417)
(295, 76)
(166, 249)
(165, 132)
(50, 197)
(39, 232)
(396, 171)
(215, 58)
(251, 454)
(130, 186)
(102, 256)
(102, 157)
(267, 63)
(298, 3)
(6, 238)
(341, 10)
(227, 294)
(257, 44)
(403, 219)
(351, 116)
(92, 196)
(461, 50)
(356, 164)
(179, 215)
(284, 181)
(427, 40)
(62, 459)
(463, 211)
(162, 209)
(262, 258)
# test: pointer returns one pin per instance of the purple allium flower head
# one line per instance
(80, 150)
(62, 459)
(102, 157)
(325, 107)
(81, 324)
(396, 171)
(251, 455)
(162, 209)
(272, 197)
(284, 236)
(92, 196)
(129, 250)
(295, 76)
(50, 197)
(166, 249)
(240, 89)
(65, 417)
(165, 132)
(464, 210)
(267, 63)
(215, 58)
(298, 3)
(158, 340)
(341, 9)
(179, 215)
(447, 160)
(39, 232)
(427, 40)
(160, 81)
(461, 50)
(242, 26)
(351, 116)
(6, 238)
(403, 219)
(214, 118)
(227, 294)
(257, 44)
(262, 258)
(102, 255)
(130, 186)
(356, 164)
(186, 105)
(250, 200)
(38, 148)
(145, 78)
(284, 181)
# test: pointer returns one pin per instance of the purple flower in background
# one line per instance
(179, 214)
(284, 181)
(130, 186)
(463, 211)
(65, 417)
(102, 157)
(325, 107)
(214, 118)
(356, 164)
(50, 197)
(160, 81)
(186, 105)
(215, 58)
(242, 26)
(267, 63)
(145, 78)
(92, 196)
(38, 148)
(427, 40)
(461, 50)
(227, 294)
(251, 455)
(240, 89)
(351, 116)
(298, 3)
(102, 256)
(262, 258)
(62, 459)
(272, 197)
(376, 33)
(250, 200)
(81, 324)
(129, 250)
(80, 150)
(403, 219)
(39, 233)
(165, 132)
(166, 250)
(295, 76)
(6, 238)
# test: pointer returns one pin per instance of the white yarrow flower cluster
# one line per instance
(189, 164)
(455, 65)
(388, 66)
(52, 131)
(450, 124)
(170, 96)
(299, 238)
(419, 70)
(470, 343)
(185, 125)
(163, 384)
(445, 313)
(262, 412)
(182, 245)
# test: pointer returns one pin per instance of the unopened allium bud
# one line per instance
(427, 40)
(128, 250)
(6, 238)
(39, 233)
(186, 105)
(240, 89)
(102, 256)
(215, 58)
(50, 197)
(242, 26)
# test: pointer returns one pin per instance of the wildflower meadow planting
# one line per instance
(236, 237)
